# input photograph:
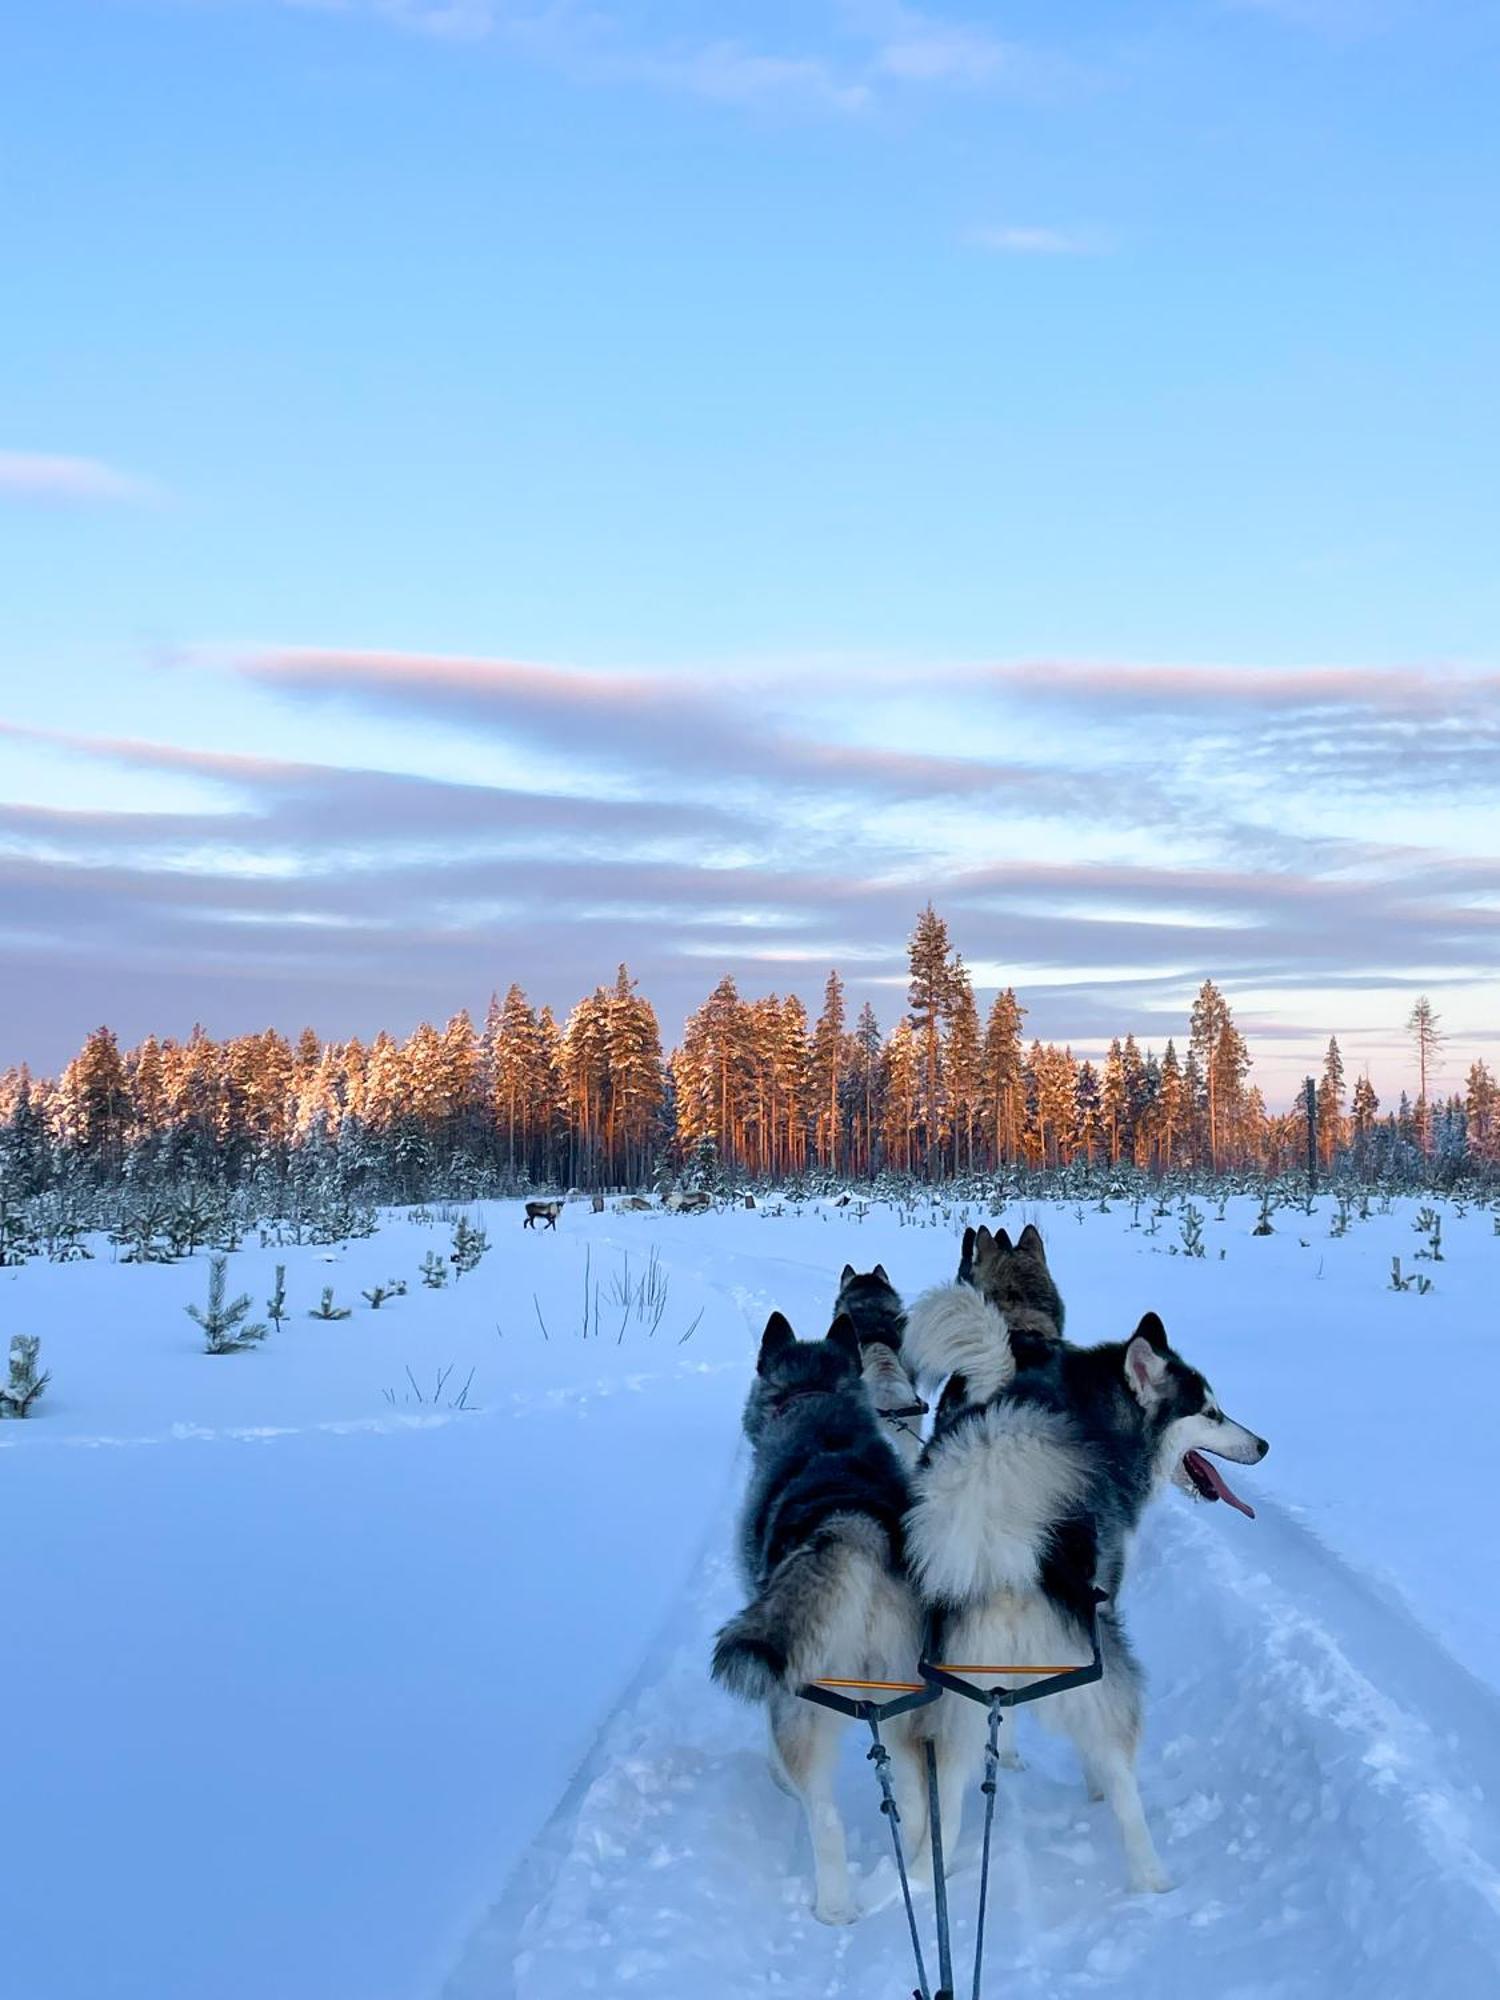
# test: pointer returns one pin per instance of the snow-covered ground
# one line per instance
(318, 1687)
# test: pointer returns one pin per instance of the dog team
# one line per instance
(986, 1538)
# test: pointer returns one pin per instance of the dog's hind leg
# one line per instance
(1091, 1781)
(778, 1770)
(908, 1768)
(1104, 1723)
(807, 1742)
(1116, 1774)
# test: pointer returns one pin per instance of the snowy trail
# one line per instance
(290, 1600)
(1293, 1712)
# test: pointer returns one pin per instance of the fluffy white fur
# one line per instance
(952, 1330)
(1103, 1719)
(986, 1503)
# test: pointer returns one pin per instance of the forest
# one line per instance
(755, 1090)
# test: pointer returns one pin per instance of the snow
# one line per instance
(318, 1689)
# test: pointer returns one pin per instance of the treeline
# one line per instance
(754, 1089)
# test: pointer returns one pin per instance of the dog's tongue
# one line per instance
(1219, 1483)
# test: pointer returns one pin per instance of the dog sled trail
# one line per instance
(1322, 1778)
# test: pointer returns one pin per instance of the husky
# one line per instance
(542, 1211)
(874, 1306)
(1027, 1497)
(1016, 1320)
(893, 1396)
(822, 1554)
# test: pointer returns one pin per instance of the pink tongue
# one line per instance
(1218, 1482)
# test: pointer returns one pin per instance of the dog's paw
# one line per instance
(836, 1910)
(1151, 1881)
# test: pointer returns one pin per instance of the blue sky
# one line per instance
(1041, 458)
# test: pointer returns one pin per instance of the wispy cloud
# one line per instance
(748, 822)
(840, 65)
(728, 72)
(912, 46)
(56, 477)
(1019, 240)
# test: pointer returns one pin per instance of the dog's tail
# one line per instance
(952, 1330)
(778, 1640)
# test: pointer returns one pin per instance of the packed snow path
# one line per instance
(1324, 1780)
(323, 1694)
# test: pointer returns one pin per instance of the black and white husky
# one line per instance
(1027, 1497)
(821, 1549)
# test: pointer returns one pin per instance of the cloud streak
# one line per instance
(768, 825)
(60, 479)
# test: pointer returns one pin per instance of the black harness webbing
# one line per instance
(872, 1713)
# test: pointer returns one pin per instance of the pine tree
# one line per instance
(964, 1060)
(1210, 1021)
(225, 1328)
(1427, 1038)
(1173, 1106)
(1112, 1101)
(829, 1062)
(96, 1098)
(1088, 1122)
(902, 1066)
(1331, 1103)
(1002, 1091)
(866, 1086)
(930, 998)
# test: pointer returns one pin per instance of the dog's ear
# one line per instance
(984, 1243)
(1145, 1371)
(1031, 1242)
(845, 1275)
(1003, 1242)
(843, 1336)
(774, 1342)
(1152, 1329)
(880, 1272)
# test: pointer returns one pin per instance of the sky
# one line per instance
(488, 492)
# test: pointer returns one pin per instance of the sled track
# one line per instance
(1323, 1779)
(1328, 1831)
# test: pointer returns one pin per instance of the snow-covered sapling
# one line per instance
(434, 1271)
(469, 1245)
(225, 1328)
(1190, 1222)
(376, 1296)
(1263, 1222)
(276, 1303)
(1430, 1224)
(193, 1222)
(25, 1383)
(1413, 1281)
(326, 1309)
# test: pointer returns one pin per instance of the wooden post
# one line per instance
(1312, 1138)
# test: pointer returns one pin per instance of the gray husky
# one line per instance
(821, 1549)
(873, 1304)
(1026, 1500)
